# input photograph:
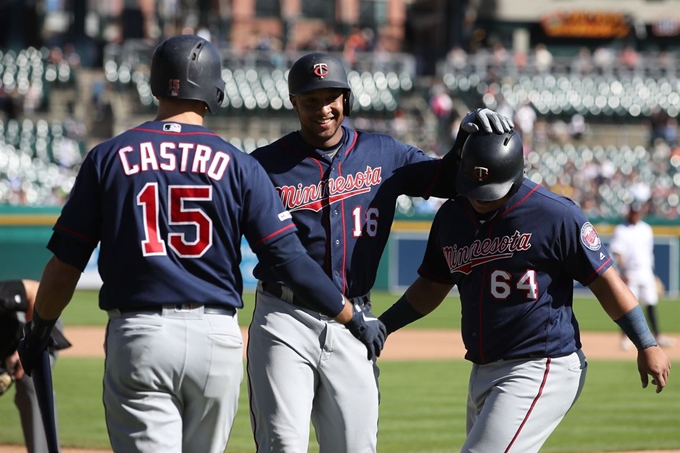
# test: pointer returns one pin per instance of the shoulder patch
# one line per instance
(285, 215)
(589, 237)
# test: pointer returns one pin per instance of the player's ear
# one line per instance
(294, 102)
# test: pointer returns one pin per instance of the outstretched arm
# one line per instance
(420, 299)
(620, 304)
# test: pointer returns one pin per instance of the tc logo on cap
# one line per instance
(320, 70)
(480, 173)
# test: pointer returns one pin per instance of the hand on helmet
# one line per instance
(486, 120)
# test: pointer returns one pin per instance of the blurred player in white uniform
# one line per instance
(633, 248)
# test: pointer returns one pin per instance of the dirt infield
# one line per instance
(407, 344)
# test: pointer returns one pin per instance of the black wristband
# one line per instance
(40, 329)
(400, 314)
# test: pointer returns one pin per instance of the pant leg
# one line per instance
(26, 402)
(212, 384)
(284, 351)
(345, 413)
(519, 403)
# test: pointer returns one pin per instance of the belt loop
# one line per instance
(287, 294)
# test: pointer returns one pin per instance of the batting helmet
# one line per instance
(188, 67)
(315, 71)
(491, 166)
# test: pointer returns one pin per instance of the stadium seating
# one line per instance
(38, 161)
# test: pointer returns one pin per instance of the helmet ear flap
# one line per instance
(349, 103)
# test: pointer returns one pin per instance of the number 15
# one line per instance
(178, 214)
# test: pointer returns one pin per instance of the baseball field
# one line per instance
(423, 387)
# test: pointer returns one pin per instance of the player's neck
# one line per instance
(181, 112)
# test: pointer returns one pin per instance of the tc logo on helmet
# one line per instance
(173, 87)
(320, 70)
(480, 173)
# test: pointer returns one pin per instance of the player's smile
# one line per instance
(320, 113)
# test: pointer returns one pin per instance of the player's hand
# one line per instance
(369, 330)
(486, 120)
(653, 361)
(37, 338)
(13, 364)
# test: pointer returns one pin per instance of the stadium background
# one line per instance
(592, 86)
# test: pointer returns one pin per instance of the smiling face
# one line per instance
(321, 114)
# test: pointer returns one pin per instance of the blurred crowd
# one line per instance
(595, 177)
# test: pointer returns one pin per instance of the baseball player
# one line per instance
(513, 249)
(168, 201)
(341, 187)
(17, 298)
(632, 246)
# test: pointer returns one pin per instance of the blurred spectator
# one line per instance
(583, 63)
(355, 42)
(577, 126)
(604, 58)
(499, 55)
(543, 58)
(457, 58)
(524, 120)
(9, 100)
(629, 58)
(441, 104)
(400, 125)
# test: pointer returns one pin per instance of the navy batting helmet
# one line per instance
(318, 70)
(491, 166)
(188, 67)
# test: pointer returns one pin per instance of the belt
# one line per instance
(208, 309)
(286, 294)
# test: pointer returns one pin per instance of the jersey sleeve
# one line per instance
(264, 218)
(434, 266)
(426, 176)
(584, 255)
(80, 219)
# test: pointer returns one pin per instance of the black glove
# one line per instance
(369, 330)
(37, 338)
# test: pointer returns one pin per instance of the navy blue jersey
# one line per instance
(344, 207)
(515, 272)
(169, 203)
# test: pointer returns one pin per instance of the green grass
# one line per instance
(422, 410)
(423, 403)
(84, 311)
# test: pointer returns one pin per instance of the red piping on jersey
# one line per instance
(522, 200)
(434, 180)
(153, 131)
(595, 274)
(533, 404)
(344, 236)
(350, 147)
(275, 233)
(76, 234)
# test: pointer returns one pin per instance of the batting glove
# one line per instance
(486, 120)
(37, 338)
(369, 330)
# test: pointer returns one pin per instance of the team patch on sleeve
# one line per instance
(589, 237)
(285, 215)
